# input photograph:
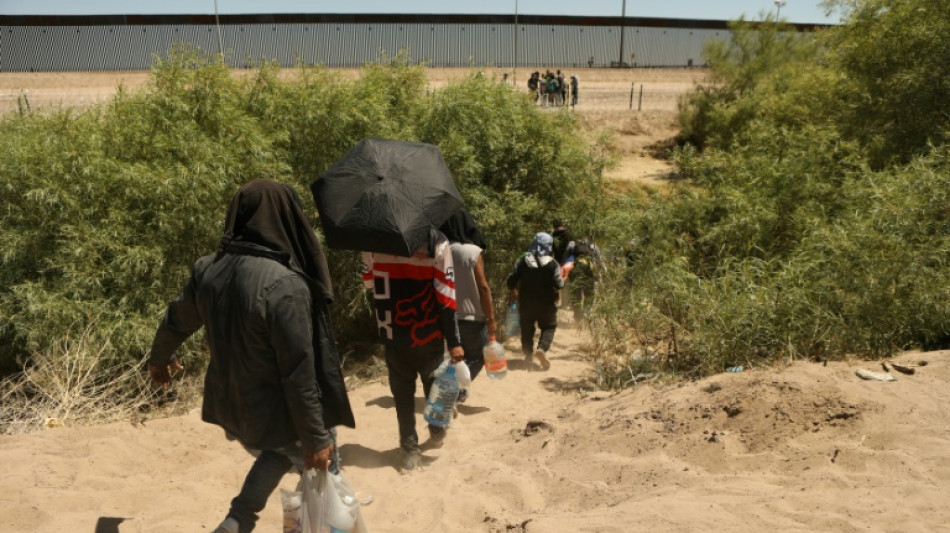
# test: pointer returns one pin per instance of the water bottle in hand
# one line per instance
(496, 366)
(442, 396)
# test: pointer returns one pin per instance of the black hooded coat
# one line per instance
(274, 376)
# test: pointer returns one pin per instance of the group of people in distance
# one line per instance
(553, 89)
(274, 381)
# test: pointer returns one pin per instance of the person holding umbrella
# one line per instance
(414, 298)
(274, 381)
(385, 198)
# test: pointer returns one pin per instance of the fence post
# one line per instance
(25, 101)
(633, 90)
(640, 103)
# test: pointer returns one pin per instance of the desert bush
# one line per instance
(807, 231)
(107, 208)
(894, 86)
(750, 74)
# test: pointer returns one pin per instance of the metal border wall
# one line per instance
(127, 42)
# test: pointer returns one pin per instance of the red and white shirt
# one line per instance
(414, 296)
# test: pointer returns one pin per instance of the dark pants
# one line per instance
(474, 338)
(546, 319)
(405, 365)
(265, 475)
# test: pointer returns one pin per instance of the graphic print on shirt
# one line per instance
(412, 296)
(418, 313)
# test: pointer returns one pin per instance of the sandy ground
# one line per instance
(804, 448)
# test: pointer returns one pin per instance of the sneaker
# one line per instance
(463, 395)
(410, 461)
(529, 361)
(229, 525)
(545, 364)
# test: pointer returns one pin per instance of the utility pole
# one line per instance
(778, 8)
(514, 73)
(217, 22)
(623, 27)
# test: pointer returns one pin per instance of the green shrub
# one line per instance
(107, 208)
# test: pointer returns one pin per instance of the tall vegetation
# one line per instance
(815, 222)
(106, 208)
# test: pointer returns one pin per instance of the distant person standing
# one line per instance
(415, 305)
(535, 282)
(575, 82)
(474, 310)
(553, 90)
(562, 89)
(533, 85)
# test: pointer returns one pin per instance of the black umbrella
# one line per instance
(385, 196)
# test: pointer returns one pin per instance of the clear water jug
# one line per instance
(496, 366)
(442, 397)
(512, 320)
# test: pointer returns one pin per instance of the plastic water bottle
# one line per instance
(512, 320)
(496, 366)
(462, 374)
(442, 397)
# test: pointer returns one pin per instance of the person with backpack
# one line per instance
(553, 89)
(533, 85)
(535, 282)
(583, 278)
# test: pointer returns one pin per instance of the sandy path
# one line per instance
(806, 448)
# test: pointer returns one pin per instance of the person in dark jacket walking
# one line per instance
(274, 381)
(535, 281)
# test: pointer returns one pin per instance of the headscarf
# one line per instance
(541, 245)
(266, 219)
(460, 227)
(269, 214)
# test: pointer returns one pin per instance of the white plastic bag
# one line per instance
(293, 517)
(327, 504)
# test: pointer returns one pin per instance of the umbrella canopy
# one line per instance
(385, 196)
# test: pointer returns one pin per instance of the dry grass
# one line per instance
(71, 385)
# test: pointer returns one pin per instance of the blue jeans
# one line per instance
(265, 476)
(474, 338)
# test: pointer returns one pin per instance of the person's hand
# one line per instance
(457, 354)
(492, 327)
(162, 374)
(319, 460)
(512, 295)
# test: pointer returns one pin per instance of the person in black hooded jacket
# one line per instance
(274, 381)
(535, 281)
